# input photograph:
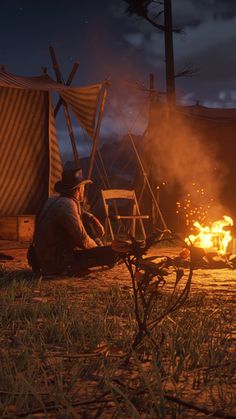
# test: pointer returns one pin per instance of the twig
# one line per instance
(50, 407)
(217, 413)
(212, 367)
(17, 393)
(78, 356)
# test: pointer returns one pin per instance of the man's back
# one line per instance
(59, 229)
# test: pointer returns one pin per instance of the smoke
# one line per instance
(186, 161)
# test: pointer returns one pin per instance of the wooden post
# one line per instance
(152, 94)
(65, 108)
(169, 53)
(97, 131)
(151, 174)
(69, 80)
(147, 181)
(147, 132)
(95, 144)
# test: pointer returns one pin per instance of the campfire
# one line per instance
(215, 238)
(211, 243)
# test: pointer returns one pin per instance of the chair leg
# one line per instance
(110, 228)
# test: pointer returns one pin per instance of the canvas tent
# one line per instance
(30, 161)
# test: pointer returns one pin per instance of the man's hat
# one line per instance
(70, 180)
(72, 166)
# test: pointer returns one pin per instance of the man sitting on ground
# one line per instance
(61, 242)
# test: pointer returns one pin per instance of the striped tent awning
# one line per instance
(82, 100)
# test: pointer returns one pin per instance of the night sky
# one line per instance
(109, 43)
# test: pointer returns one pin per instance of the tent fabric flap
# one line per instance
(84, 104)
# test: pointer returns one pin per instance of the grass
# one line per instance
(62, 356)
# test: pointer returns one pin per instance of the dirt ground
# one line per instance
(218, 283)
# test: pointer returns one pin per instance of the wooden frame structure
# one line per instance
(62, 102)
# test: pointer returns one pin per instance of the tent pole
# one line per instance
(147, 181)
(65, 108)
(96, 136)
(152, 98)
(69, 80)
(95, 142)
(144, 173)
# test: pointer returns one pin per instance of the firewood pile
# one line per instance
(202, 259)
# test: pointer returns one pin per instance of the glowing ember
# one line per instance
(194, 206)
(214, 238)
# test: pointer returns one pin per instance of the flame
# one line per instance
(213, 238)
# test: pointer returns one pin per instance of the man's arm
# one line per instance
(97, 225)
(70, 220)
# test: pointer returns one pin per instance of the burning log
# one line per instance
(210, 246)
(4, 257)
(215, 237)
(206, 260)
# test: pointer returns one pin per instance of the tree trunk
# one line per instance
(169, 54)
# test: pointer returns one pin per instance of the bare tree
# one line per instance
(151, 11)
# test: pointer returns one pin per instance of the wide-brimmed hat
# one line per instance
(72, 166)
(70, 180)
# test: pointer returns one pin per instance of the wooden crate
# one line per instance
(17, 228)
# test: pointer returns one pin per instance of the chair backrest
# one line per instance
(117, 194)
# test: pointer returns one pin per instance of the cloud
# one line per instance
(135, 39)
(207, 47)
(185, 13)
(192, 12)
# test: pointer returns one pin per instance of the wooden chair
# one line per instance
(110, 196)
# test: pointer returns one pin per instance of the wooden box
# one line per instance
(17, 228)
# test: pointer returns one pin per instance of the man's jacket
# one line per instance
(59, 231)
